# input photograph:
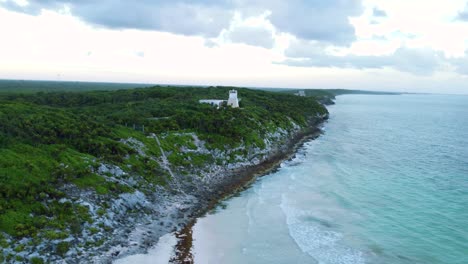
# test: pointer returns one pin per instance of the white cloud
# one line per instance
(54, 43)
(304, 19)
(419, 43)
(255, 36)
(415, 61)
(417, 24)
(253, 30)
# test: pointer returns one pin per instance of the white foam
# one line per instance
(248, 211)
(324, 245)
(159, 254)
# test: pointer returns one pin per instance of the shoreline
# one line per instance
(245, 178)
(177, 213)
(120, 194)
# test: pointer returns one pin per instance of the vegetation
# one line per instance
(52, 139)
(23, 86)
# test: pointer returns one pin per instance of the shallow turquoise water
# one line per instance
(386, 183)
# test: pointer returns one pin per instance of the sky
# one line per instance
(381, 45)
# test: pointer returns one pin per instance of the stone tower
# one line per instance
(233, 100)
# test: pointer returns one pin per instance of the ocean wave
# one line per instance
(314, 236)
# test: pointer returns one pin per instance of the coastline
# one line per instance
(243, 179)
(176, 212)
(137, 187)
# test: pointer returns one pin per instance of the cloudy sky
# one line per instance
(399, 45)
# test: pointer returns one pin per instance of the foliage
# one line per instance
(22, 86)
(36, 260)
(62, 248)
(49, 139)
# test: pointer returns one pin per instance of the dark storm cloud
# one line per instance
(319, 20)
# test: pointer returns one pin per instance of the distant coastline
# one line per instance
(28, 86)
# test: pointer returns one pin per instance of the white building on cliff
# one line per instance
(213, 102)
(300, 93)
(233, 101)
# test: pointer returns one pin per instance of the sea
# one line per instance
(387, 182)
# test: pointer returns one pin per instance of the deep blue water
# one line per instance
(386, 183)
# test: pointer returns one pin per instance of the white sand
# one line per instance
(159, 254)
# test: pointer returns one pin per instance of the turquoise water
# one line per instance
(386, 183)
